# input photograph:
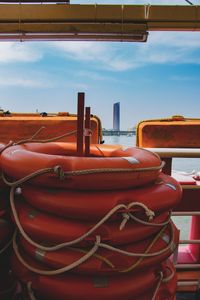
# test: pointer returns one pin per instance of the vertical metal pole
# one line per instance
(80, 124)
(87, 129)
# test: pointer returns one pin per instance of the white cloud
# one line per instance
(161, 48)
(22, 82)
(18, 52)
(84, 51)
(171, 47)
(97, 76)
(104, 55)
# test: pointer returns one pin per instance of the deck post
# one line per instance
(80, 124)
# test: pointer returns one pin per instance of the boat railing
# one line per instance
(187, 256)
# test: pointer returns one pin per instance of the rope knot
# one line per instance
(150, 214)
(126, 217)
(59, 172)
(98, 241)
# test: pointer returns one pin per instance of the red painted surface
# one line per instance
(87, 129)
(80, 124)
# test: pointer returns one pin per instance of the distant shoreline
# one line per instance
(116, 132)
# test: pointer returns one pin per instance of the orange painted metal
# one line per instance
(21, 126)
(175, 132)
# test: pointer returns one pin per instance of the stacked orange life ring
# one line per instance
(7, 283)
(110, 210)
(73, 287)
(109, 167)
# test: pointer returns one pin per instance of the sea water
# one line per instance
(179, 164)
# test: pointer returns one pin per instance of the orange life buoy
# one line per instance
(2, 147)
(102, 170)
(107, 262)
(93, 205)
(167, 289)
(76, 287)
(6, 230)
(45, 227)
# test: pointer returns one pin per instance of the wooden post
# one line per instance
(87, 131)
(80, 124)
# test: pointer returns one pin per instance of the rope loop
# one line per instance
(149, 213)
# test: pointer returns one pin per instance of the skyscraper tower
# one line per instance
(116, 116)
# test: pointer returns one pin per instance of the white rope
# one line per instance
(30, 291)
(65, 174)
(77, 240)
(127, 215)
(90, 254)
(158, 286)
(163, 279)
(73, 265)
(147, 10)
(150, 223)
(157, 253)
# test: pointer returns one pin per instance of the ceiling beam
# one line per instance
(105, 22)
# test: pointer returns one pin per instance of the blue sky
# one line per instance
(156, 79)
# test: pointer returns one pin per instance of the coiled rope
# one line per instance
(77, 240)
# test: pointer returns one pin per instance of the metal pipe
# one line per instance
(186, 213)
(187, 266)
(186, 283)
(176, 152)
(189, 242)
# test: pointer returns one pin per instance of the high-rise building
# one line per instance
(116, 116)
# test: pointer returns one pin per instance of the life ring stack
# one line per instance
(94, 227)
(7, 283)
